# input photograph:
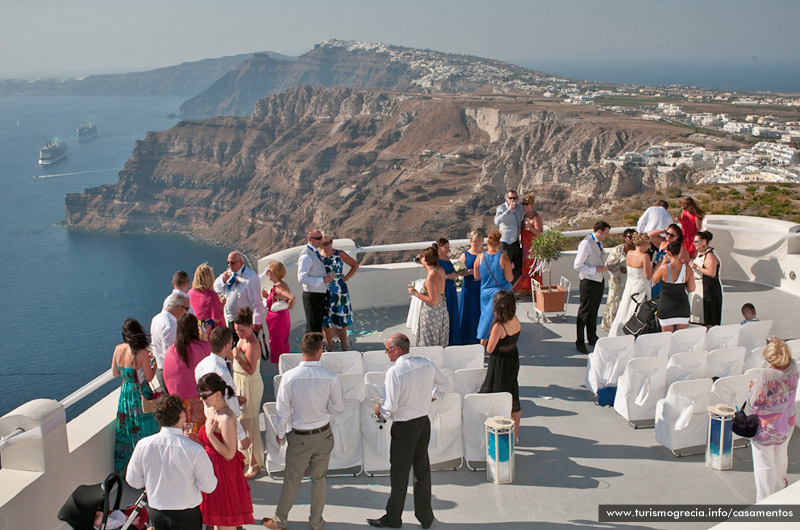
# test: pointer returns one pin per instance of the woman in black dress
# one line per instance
(706, 266)
(673, 305)
(503, 355)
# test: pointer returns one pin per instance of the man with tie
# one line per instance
(241, 288)
(589, 263)
(311, 275)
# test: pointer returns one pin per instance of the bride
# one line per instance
(640, 270)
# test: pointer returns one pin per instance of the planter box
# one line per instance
(553, 299)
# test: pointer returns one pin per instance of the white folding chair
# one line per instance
(434, 353)
(753, 373)
(276, 455)
(652, 345)
(732, 390)
(639, 388)
(722, 337)
(461, 357)
(375, 361)
(682, 416)
(476, 409)
(468, 380)
(276, 383)
(374, 386)
(375, 440)
(725, 361)
(683, 366)
(343, 362)
(445, 448)
(287, 361)
(346, 427)
(755, 359)
(607, 362)
(754, 334)
(794, 347)
(689, 339)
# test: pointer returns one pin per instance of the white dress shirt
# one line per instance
(172, 469)
(588, 258)
(311, 271)
(245, 292)
(652, 218)
(308, 395)
(174, 292)
(163, 329)
(410, 384)
(214, 364)
(509, 222)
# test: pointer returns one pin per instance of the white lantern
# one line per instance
(719, 443)
(499, 449)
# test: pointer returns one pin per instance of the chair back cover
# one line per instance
(684, 366)
(725, 361)
(641, 385)
(681, 417)
(446, 443)
(608, 360)
(754, 334)
(343, 362)
(287, 361)
(755, 359)
(722, 337)
(375, 361)
(652, 344)
(276, 455)
(689, 339)
(468, 380)
(476, 408)
(434, 353)
(460, 357)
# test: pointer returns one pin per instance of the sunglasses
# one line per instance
(513, 198)
(327, 243)
(315, 238)
(525, 203)
(672, 234)
(206, 395)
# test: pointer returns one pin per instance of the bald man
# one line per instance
(241, 288)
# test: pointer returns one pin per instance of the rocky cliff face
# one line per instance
(375, 166)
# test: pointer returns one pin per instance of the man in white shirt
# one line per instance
(172, 469)
(307, 397)
(508, 219)
(241, 288)
(589, 262)
(411, 384)
(180, 285)
(312, 277)
(655, 218)
(163, 329)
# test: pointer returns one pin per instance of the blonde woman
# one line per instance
(338, 310)
(637, 283)
(279, 301)
(469, 307)
(434, 321)
(204, 301)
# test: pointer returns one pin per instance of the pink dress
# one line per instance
(278, 324)
(206, 305)
(230, 503)
(178, 377)
(689, 227)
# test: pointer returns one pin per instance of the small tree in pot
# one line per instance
(546, 248)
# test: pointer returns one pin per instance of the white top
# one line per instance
(509, 222)
(410, 385)
(588, 258)
(308, 395)
(172, 469)
(652, 218)
(214, 364)
(311, 271)
(176, 291)
(245, 291)
(163, 329)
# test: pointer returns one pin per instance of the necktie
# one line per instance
(231, 281)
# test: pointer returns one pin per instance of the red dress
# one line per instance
(689, 227)
(229, 504)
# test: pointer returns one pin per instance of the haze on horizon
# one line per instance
(605, 41)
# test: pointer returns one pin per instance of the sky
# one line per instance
(61, 37)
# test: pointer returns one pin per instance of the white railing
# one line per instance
(88, 388)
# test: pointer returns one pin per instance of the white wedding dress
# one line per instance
(636, 284)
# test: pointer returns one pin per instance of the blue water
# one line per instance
(67, 292)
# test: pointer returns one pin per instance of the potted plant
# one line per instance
(546, 248)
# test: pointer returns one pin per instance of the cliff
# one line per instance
(375, 166)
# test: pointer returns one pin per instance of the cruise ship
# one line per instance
(86, 132)
(573, 455)
(52, 152)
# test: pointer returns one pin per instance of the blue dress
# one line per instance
(469, 307)
(451, 294)
(338, 311)
(132, 424)
(493, 279)
(655, 291)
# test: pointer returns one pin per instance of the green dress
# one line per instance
(132, 423)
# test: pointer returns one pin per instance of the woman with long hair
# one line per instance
(637, 282)
(532, 226)
(442, 247)
(494, 270)
(503, 371)
(469, 307)
(673, 305)
(279, 322)
(707, 296)
(691, 222)
(338, 309)
(204, 300)
(179, 363)
(132, 361)
(662, 238)
(434, 322)
(248, 381)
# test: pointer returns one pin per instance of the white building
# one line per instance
(778, 153)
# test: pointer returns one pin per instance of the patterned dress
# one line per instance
(132, 423)
(338, 312)
(434, 323)
(616, 283)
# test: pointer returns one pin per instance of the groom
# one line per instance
(311, 275)
(589, 262)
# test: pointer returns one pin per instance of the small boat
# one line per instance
(52, 152)
(86, 132)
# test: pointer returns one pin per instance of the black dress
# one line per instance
(504, 369)
(673, 304)
(712, 298)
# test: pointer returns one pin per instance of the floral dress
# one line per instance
(132, 423)
(434, 323)
(338, 312)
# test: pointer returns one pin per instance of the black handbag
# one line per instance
(745, 425)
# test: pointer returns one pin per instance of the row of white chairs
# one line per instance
(611, 354)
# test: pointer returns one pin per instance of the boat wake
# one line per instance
(74, 173)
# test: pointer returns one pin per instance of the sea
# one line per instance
(66, 292)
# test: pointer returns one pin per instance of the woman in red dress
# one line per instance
(691, 222)
(229, 505)
(531, 227)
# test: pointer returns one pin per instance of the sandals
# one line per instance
(252, 472)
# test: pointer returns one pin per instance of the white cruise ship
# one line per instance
(52, 152)
(86, 132)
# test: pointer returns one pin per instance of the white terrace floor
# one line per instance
(573, 455)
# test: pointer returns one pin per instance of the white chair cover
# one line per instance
(684, 366)
(287, 361)
(652, 345)
(374, 386)
(752, 373)
(640, 387)
(276, 383)
(468, 380)
(608, 360)
(689, 339)
(346, 426)
(755, 359)
(343, 362)
(434, 353)
(719, 337)
(461, 357)
(412, 320)
(754, 334)
(353, 387)
(725, 361)
(375, 361)
(476, 408)
(276, 455)
(375, 442)
(682, 416)
(732, 390)
(794, 347)
(446, 444)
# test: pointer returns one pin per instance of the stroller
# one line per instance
(82, 507)
(644, 319)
